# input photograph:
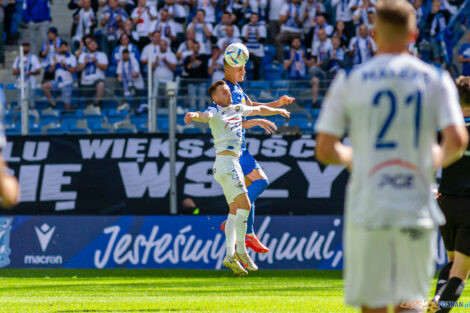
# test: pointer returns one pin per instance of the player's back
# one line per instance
(394, 104)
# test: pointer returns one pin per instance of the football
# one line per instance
(236, 55)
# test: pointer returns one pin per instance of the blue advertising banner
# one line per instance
(295, 242)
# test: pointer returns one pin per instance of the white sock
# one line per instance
(230, 234)
(240, 227)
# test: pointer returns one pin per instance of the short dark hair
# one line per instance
(201, 10)
(64, 43)
(125, 51)
(214, 86)
(463, 86)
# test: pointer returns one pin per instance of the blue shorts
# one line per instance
(248, 162)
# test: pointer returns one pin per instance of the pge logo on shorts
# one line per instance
(399, 181)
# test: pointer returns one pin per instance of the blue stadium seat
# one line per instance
(180, 119)
(272, 72)
(192, 130)
(140, 121)
(41, 104)
(162, 122)
(299, 115)
(277, 119)
(49, 118)
(36, 130)
(56, 131)
(260, 84)
(114, 116)
(10, 86)
(109, 104)
(307, 128)
(124, 131)
(298, 121)
(79, 131)
(280, 84)
(100, 131)
(93, 119)
(12, 131)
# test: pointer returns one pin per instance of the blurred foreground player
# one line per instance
(9, 187)
(225, 120)
(256, 179)
(392, 106)
(454, 200)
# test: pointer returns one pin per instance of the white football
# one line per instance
(236, 55)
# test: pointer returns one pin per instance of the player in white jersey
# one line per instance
(225, 121)
(392, 106)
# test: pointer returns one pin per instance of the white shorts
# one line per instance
(384, 267)
(228, 173)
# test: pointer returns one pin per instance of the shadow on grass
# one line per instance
(162, 273)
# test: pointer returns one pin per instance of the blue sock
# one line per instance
(254, 190)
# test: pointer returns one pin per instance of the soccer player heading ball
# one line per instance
(225, 120)
(234, 66)
(392, 106)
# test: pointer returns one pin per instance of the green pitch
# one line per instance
(73, 291)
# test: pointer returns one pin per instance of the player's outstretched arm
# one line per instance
(201, 117)
(9, 187)
(266, 111)
(268, 126)
(284, 100)
(330, 150)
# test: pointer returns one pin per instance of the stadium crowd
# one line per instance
(307, 40)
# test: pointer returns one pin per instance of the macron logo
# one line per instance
(44, 234)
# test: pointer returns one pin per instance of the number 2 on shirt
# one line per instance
(413, 98)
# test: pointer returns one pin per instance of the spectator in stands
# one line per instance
(84, 22)
(32, 67)
(362, 47)
(291, 25)
(196, 67)
(436, 24)
(219, 30)
(341, 33)
(361, 11)
(229, 38)
(164, 64)
(82, 48)
(203, 31)
(48, 51)
(63, 68)
(418, 9)
(335, 59)
(36, 17)
(92, 64)
(236, 8)
(186, 47)
(321, 47)
(2, 31)
(344, 13)
(185, 50)
(254, 35)
(177, 13)
(296, 61)
(112, 20)
(464, 56)
(309, 11)
(274, 12)
(216, 64)
(128, 73)
(124, 44)
(142, 17)
(128, 29)
(258, 7)
(151, 49)
(76, 4)
(166, 27)
(319, 23)
(208, 7)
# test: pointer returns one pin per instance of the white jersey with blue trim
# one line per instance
(392, 106)
(226, 126)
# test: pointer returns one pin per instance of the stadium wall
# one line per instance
(295, 242)
(129, 174)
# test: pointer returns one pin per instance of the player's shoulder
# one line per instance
(388, 65)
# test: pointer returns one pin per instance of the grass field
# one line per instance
(70, 291)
